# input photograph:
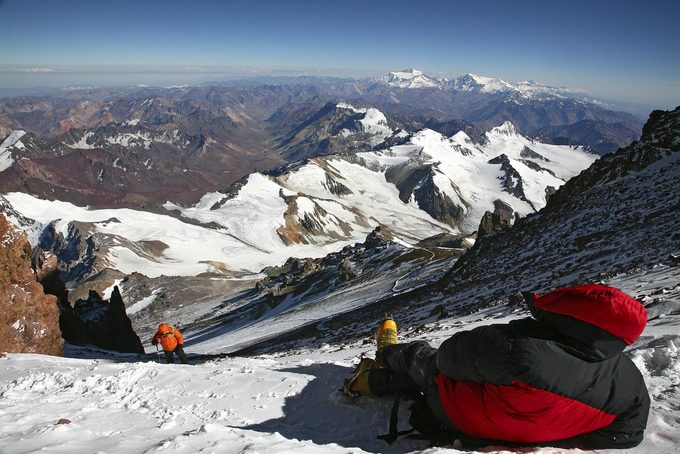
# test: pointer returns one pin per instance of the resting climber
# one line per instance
(560, 375)
(172, 341)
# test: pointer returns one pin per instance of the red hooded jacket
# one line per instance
(558, 376)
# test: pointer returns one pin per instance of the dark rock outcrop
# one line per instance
(379, 237)
(46, 268)
(512, 180)
(497, 222)
(437, 204)
(28, 317)
(347, 270)
(99, 322)
(492, 224)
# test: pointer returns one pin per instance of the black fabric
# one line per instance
(480, 355)
(425, 422)
(385, 382)
(535, 354)
(415, 362)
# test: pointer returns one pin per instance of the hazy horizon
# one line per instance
(614, 50)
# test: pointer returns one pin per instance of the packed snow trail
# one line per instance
(230, 405)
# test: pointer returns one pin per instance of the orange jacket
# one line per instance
(168, 336)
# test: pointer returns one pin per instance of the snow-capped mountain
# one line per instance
(457, 180)
(129, 135)
(475, 83)
(429, 186)
(527, 89)
(490, 101)
(411, 78)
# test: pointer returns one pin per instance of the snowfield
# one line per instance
(286, 402)
(321, 205)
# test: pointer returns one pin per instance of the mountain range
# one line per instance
(236, 178)
(613, 223)
(141, 147)
(427, 186)
(277, 224)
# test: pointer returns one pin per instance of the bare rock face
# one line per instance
(46, 268)
(347, 270)
(29, 319)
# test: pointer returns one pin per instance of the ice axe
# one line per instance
(158, 352)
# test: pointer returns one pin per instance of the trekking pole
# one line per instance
(158, 352)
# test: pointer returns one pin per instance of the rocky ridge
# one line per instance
(29, 321)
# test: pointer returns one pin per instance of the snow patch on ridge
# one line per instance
(12, 141)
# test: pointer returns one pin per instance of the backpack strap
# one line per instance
(393, 434)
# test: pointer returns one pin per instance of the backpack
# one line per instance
(422, 421)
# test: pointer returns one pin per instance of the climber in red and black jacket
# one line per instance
(558, 376)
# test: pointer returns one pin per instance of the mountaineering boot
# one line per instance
(387, 333)
(357, 384)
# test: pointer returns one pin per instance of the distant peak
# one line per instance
(410, 71)
(410, 78)
(475, 82)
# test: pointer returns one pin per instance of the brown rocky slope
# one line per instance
(29, 319)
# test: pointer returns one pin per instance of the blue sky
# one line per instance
(626, 50)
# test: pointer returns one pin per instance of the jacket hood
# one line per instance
(596, 316)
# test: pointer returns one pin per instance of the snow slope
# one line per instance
(191, 249)
(243, 233)
(313, 189)
(286, 402)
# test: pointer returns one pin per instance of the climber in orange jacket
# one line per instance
(172, 341)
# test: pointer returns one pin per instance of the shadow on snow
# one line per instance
(323, 415)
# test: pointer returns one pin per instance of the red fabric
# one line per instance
(517, 413)
(605, 307)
